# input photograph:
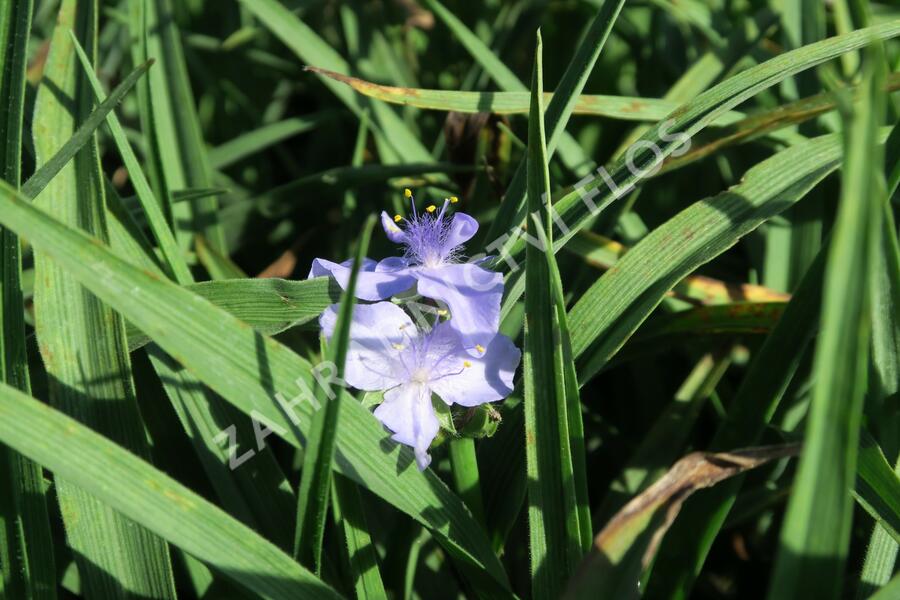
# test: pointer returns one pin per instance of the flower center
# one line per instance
(420, 375)
(427, 235)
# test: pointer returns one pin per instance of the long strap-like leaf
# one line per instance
(82, 341)
(26, 548)
(148, 496)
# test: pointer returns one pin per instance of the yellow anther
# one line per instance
(480, 348)
(453, 199)
(398, 346)
(397, 218)
(431, 208)
(467, 364)
(407, 193)
(442, 312)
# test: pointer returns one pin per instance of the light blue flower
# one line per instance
(387, 352)
(432, 242)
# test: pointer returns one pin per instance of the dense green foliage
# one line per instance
(708, 404)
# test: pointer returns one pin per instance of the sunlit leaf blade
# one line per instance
(174, 139)
(882, 551)
(878, 487)
(82, 341)
(254, 141)
(811, 557)
(616, 107)
(134, 488)
(586, 199)
(553, 518)
(27, 568)
(315, 478)
(81, 137)
(269, 305)
(259, 376)
(312, 49)
(604, 253)
(889, 591)
(350, 515)
(611, 309)
(151, 206)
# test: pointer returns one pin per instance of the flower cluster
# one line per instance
(461, 357)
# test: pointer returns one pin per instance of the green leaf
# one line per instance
(27, 568)
(881, 554)
(151, 206)
(350, 515)
(315, 478)
(391, 131)
(626, 108)
(889, 591)
(262, 377)
(811, 557)
(82, 136)
(148, 496)
(269, 305)
(464, 464)
(177, 154)
(82, 341)
(248, 144)
(553, 511)
(878, 487)
(610, 310)
(570, 151)
(586, 199)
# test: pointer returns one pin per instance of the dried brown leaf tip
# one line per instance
(638, 528)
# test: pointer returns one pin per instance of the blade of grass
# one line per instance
(27, 562)
(811, 557)
(248, 144)
(147, 496)
(82, 136)
(577, 205)
(269, 305)
(878, 487)
(611, 309)
(151, 206)
(391, 132)
(315, 478)
(350, 515)
(554, 534)
(257, 375)
(889, 591)
(604, 253)
(881, 554)
(178, 154)
(466, 481)
(626, 108)
(685, 547)
(81, 340)
(198, 412)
